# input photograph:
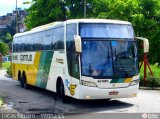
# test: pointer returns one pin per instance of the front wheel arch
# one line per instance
(60, 89)
(59, 80)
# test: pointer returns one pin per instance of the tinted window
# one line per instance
(38, 41)
(96, 58)
(29, 43)
(14, 45)
(18, 42)
(124, 58)
(58, 38)
(90, 30)
(48, 40)
(45, 40)
(72, 57)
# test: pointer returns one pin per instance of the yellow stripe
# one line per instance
(33, 69)
(127, 80)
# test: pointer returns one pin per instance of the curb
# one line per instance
(149, 88)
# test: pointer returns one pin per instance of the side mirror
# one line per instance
(145, 44)
(78, 43)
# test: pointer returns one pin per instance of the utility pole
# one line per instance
(84, 8)
(17, 25)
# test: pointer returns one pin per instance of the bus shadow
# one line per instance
(89, 106)
(74, 106)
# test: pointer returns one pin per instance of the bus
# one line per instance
(81, 58)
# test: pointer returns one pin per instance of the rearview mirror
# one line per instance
(145, 44)
(78, 43)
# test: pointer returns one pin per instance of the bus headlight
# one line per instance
(134, 82)
(88, 83)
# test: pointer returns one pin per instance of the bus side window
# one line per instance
(14, 45)
(33, 41)
(47, 41)
(58, 38)
(72, 57)
(22, 44)
(30, 43)
(18, 45)
(13, 48)
(37, 41)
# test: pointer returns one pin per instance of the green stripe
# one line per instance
(44, 68)
(121, 80)
(117, 80)
(114, 81)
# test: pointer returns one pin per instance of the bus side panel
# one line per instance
(44, 69)
(36, 70)
(14, 72)
(57, 70)
(31, 73)
(17, 65)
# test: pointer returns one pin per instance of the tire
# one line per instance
(62, 93)
(21, 82)
(24, 82)
(26, 86)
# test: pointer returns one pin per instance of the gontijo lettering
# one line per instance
(14, 57)
(26, 57)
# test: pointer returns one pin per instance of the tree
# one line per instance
(43, 12)
(46, 12)
(146, 24)
(4, 49)
(7, 39)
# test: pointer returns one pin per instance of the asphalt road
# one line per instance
(35, 100)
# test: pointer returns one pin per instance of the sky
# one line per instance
(7, 6)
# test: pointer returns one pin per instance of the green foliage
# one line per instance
(9, 71)
(42, 11)
(6, 65)
(8, 38)
(1, 101)
(4, 49)
(152, 81)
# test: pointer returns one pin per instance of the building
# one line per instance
(9, 20)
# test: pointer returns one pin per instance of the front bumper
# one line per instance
(98, 93)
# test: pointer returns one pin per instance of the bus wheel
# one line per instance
(62, 93)
(21, 82)
(25, 85)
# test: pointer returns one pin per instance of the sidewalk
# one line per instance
(149, 88)
(2, 73)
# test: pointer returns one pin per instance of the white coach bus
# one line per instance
(81, 58)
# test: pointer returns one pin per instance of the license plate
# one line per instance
(113, 93)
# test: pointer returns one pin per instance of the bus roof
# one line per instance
(61, 23)
(97, 21)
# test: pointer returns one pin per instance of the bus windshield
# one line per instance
(106, 56)
(92, 30)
